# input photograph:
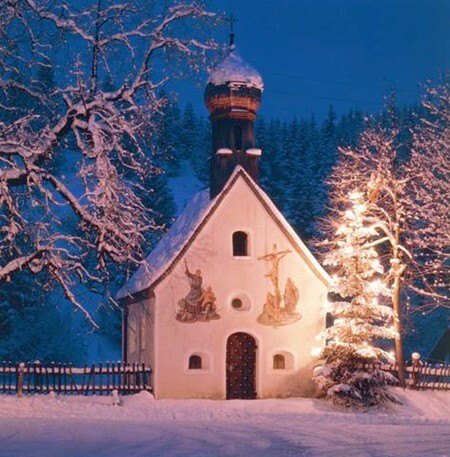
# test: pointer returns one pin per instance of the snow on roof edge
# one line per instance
(191, 218)
(169, 246)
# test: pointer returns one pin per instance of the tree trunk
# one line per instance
(398, 329)
(398, 269)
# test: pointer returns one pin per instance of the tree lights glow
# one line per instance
(405, 188)
(350, 374)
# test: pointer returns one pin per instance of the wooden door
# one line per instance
(241, 366)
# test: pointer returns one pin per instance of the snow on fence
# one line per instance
(101, 379)
(423, 375)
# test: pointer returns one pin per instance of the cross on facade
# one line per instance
(231, 19)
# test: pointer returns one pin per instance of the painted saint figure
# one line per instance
(193, 298)
(290, 297)
(199, 304)
(208, 307)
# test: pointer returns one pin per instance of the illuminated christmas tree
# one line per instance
(351, 373)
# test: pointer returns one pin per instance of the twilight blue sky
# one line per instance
(348, 53)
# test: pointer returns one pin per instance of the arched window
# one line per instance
(238, 137)
(240, 244)
(279, 362)
(195, 362)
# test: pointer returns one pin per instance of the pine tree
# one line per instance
(351, 373)
(189, 133)
(303, 183)
(273, 166)
(168, 136)
(32, 327)
(349, 128)
(315, 186)
(200, 159)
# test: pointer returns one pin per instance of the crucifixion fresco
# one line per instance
(279, 309)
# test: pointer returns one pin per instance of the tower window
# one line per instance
(240, 244)
(195, 362)
(238, 137)
(279, 362)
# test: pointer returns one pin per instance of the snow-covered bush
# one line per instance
(351, 374)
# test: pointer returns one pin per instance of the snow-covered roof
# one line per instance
(234, 69)
(172, 245)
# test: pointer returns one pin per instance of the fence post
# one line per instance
(20, 371)
(37, 376)
(416, 364)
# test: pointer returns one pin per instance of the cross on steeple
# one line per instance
(231, 19)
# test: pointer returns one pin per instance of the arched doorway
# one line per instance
(241, 366)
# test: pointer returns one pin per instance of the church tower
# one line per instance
(229, 302)
(232, 96)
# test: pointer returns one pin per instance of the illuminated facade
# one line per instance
(229, 302)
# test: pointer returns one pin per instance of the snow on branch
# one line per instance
(407, 201)
(74, 150)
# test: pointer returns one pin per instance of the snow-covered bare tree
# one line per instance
(410, 208)
(429, 169)
(351, 373)
(373, 167)
(99, 131)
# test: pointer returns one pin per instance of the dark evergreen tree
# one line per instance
(200, 158)
(303, 182)
(349, 128)
(168, 138)
(32, 327)
(273, 171)
(189, 133)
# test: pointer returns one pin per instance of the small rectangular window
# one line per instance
(195, 362)
(279, 362)
(240, 244)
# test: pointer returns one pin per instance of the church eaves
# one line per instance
(174, 244)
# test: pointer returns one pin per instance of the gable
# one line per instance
(176, 242)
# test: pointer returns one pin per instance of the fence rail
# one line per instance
(100, 379)
(129, 378)
(424, 376)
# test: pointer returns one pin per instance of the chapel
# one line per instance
(229, 303)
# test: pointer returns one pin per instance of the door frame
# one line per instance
(258, 383)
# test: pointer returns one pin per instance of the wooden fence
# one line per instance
(101, 379)
(420, 375)
(126, 378)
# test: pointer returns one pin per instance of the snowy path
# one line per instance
(81, 427)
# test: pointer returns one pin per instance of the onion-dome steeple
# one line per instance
(232, 96)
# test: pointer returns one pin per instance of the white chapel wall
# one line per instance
(140, 331)
(243, 278)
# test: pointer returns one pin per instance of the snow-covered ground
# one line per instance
(91, 426)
